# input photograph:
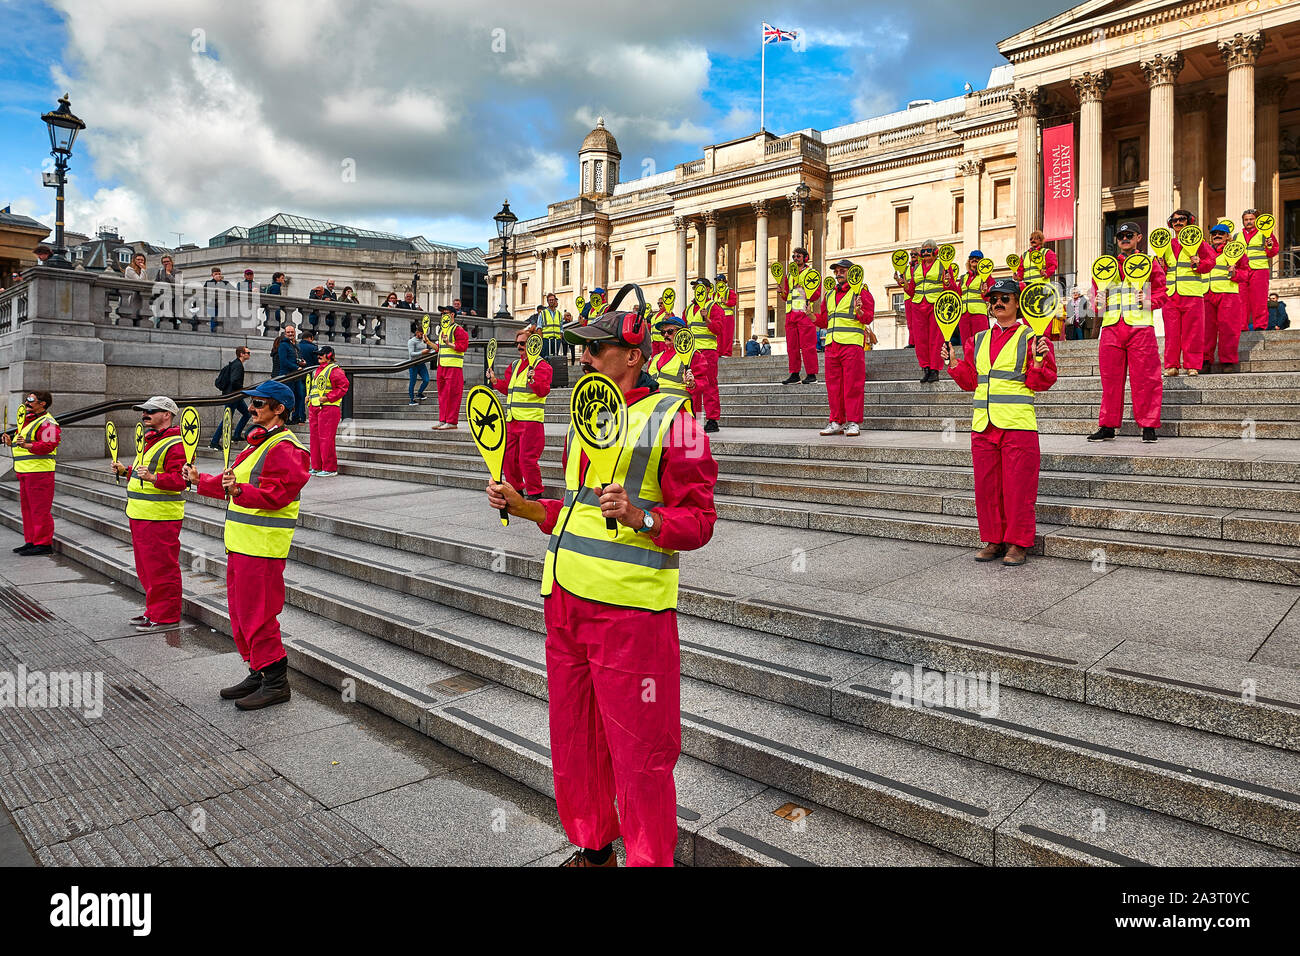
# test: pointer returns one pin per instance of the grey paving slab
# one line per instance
(851, 564)
(470, 817)
(149, 652)
(59, 591)
(1282, 645)
(341, 764)
(738, 546)
(1218, 616)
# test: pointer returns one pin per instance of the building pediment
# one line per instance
(1097, 18)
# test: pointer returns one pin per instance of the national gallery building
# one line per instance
(1168, 104)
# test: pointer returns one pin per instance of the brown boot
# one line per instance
(990, 552)
(1015, 557)
(578, 858)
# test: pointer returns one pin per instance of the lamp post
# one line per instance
(415, 282)
(64, 126)
(505, 221)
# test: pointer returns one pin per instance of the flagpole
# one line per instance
(762, 82)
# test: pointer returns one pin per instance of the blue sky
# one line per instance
(438, 122)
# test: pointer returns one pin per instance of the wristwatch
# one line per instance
(648, 522)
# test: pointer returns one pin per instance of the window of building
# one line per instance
(650, 264)
(896, 302)
(959, 215)
(618, 268)
(564, 272)
(523, 292)
(690, 256)
(847, 240)
(902, 224)
(1001, 198)
(123, 256)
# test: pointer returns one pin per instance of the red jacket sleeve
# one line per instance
(502, 383)
(338, 385)
(687, 474)
(169, 475)
(283, 476)
(964, 374)
(1206, 258)
(821, 318)
(46, 439)
(866, 307)
(717, 323)
(542, 377)
(909, 286)
(1241, 270)
(460, 339)
(1049, 262)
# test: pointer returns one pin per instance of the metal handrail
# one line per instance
(103, 408)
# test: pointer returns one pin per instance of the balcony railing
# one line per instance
(13, 307)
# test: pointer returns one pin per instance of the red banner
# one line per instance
(1058, 182)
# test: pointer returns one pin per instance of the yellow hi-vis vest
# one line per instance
(695, 321)
(145, 500)
(1256, 257)
(1126, 299)
(448, 357)
(1184, 279)
(841, 326)
(629, 570)
(25, 463)
(728, 310)
(1001, 395)
(320, 386)
(1221, 275)
(797, 300)
(1032, 271)
(258, 532)
(522, 403)
(671, 377)
(929, 285)
(972, 300)
(656, 336)
(552, 319)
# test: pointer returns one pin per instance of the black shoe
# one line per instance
(22, 547)
(1102, 434)
(931, 375)
(925, 375)
(274, 689)
(148, 625)
(810, 380)
(711, 425)
(36, 550)
(1149, 436)
(909, 345)
(792, 380)
(245, 687)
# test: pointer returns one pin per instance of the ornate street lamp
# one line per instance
(505, 221)
(415, 282)
(64, 126)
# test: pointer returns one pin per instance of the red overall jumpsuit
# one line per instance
(323, 422)
(255, 585)
(727, 338)
(157, 544)
(1254, 292)
(971, 323)
(36, 489)
(1130, 347)
(525, 441)
(608, 745)
(800, 336)
(451, 380)
(925, 327)
(846, 363)
(1225, 309)
(1006, 460)
(1184, 315)
(707, 375)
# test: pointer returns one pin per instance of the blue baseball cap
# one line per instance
(671, 321)
(1221, 227)
(275, 391)
(598, 291)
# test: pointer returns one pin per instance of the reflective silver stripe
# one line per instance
(1008, 376)
(156, 496)
(622, 553)
(22, 455)
(262, 521)
(1012, 399)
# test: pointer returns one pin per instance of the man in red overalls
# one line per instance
(924, 287)
(845, 317)
(1185, 274)
(613, 664)
(261, 490)
(800, 336)
(525, 388)
(1254, 292)
(707, 322)
(155, 509)
(975, 311)
(451, 349)
(35, 450)
(328, 384)
(1004, 429)
(1225, 303)
(726, 297)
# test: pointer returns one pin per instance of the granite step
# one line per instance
(928, 797)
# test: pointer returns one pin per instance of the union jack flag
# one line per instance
(772, 35)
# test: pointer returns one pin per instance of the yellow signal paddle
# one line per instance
(947, 254)
(856, 276)
(900, 259)
(533, 349)
(1013, 262)
(139, 444)
(1104, 269)
(1265, 224)
(670, 300)
(1038, 258)
(1235, 249)
(190, 432)
(1190, 236)
(4, 427)
(1039, 302)
(1137, 267)
(424, 325)
(598, 413)
(947, 312)
(110, 432)
(985, 267)
(225, 439)
(487, 425)
(777, 270)
(492, 354)
(1161, 239)
(811, 279)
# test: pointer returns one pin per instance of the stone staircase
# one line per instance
(799, 745)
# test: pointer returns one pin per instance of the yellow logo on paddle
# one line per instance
(1105, 269)
(599, 416)
(533, 348)
(947, 312)
(777, 271)
(670, 300)
(985, 267)
(1235, 249)
(1137, 267)
(1013, 261)
(1039, 302)
(1190, 236)
(684, 344)
(900, 258)
(1161, 239)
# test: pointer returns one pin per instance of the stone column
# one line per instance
(710, 244)
(1268, 99)
(1160, 72)
(1192, 188)
(796, 224)
(583, 281)
(760, 268)
(600, 268)
(1090, 87)
(1239, 55)
(680, 224)
(970, 171)
(540, 256)
(1029, 173)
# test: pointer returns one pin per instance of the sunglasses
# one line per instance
(1124, 235)
(30, 400)
(259, 402)
(1000, 297)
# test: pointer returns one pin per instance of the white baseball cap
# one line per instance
(159, 403)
